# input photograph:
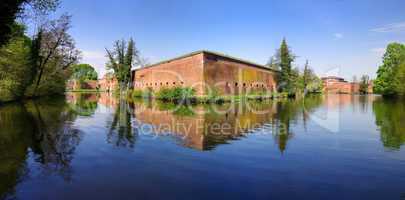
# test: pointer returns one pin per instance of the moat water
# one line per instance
(94, 146)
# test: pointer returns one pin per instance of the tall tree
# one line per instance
(393, 58)
(121, 60)
(284, 60)
(57, 51)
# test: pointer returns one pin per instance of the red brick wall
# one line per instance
(335, 86)
(204, 70)
(187, 71)
(232, 77)
(107, 84)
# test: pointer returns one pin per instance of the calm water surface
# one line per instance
(93, 146)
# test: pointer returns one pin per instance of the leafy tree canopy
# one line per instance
(84, 72)
(390, 74)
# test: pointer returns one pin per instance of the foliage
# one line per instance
(11, 9)
(175, 94)
(364, 83)
(121, 60)
(284, 60)
(56, 54)
(14, 66)
(83, 72)
(309, 82)
(148, 93)
(390, 73)
(399, 80)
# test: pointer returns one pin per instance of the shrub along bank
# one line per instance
(188, 95)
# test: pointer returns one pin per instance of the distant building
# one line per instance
(205, 70)
(337, 85)
(107, 83)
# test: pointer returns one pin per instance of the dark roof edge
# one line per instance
(208, 52)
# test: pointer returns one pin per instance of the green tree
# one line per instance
(284, 60)
(308, 81)
(11, 9)
(83, 72)
(121, 60)
(364, 83)
(390, 71)
(15, 71)
(399, 80)
(54, 53)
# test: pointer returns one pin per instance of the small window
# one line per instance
(244, 84)
(182, 82)
(167, 83)
(236, 84)
(161, 83)
(174, 83)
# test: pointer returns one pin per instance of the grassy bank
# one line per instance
(188, 95)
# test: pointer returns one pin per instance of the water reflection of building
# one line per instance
(107, 99)
(204, 130)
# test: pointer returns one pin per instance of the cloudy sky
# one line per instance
(345, 37)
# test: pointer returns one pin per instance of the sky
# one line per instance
(337, 37)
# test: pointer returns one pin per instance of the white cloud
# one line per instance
(389, 28)
(338, 36)
(96, 59)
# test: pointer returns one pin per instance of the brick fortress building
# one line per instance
(337, 85)
(205, 71)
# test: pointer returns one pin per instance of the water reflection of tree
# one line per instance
(41, 127)
(55, 138)
(84, 104)
(120, 132)
(287, 113)
(390, 117)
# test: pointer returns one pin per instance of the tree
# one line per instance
(121, 60)
(83, 72)
(15, 71)
(284, 60)
(364, 83)
(389, 71)
(11, 9)
(55, 54)
(272, 65)
(400, 80)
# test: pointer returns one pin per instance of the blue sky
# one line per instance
(345, 36)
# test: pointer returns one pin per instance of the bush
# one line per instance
(175, 94)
